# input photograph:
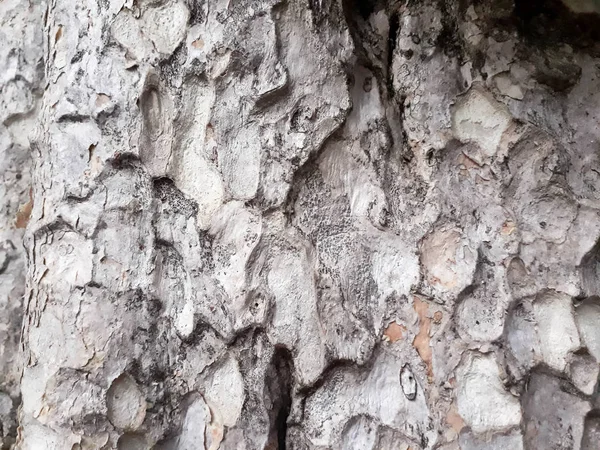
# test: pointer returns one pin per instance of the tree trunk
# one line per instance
(21, 75)
(313, 224)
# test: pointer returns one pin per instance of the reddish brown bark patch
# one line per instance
(394, 332)
(421, 341)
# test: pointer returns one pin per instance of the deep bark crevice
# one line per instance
(278, 384)
(391, 48)
(550, 22)
(590, 272)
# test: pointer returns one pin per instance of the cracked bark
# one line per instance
(305, 224)
(21, 75)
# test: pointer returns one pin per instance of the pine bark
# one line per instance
(264, 224)
(21, 76)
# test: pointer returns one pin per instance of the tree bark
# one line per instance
(314, 224)
(21, 75)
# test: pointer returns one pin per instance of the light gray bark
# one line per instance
(313, 224)
(21, 75)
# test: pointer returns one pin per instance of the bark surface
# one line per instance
(21, 75)
(303, 224)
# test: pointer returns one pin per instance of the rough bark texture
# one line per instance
(307, 224)
(21, 75)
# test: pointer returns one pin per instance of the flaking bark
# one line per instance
(312, 224)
